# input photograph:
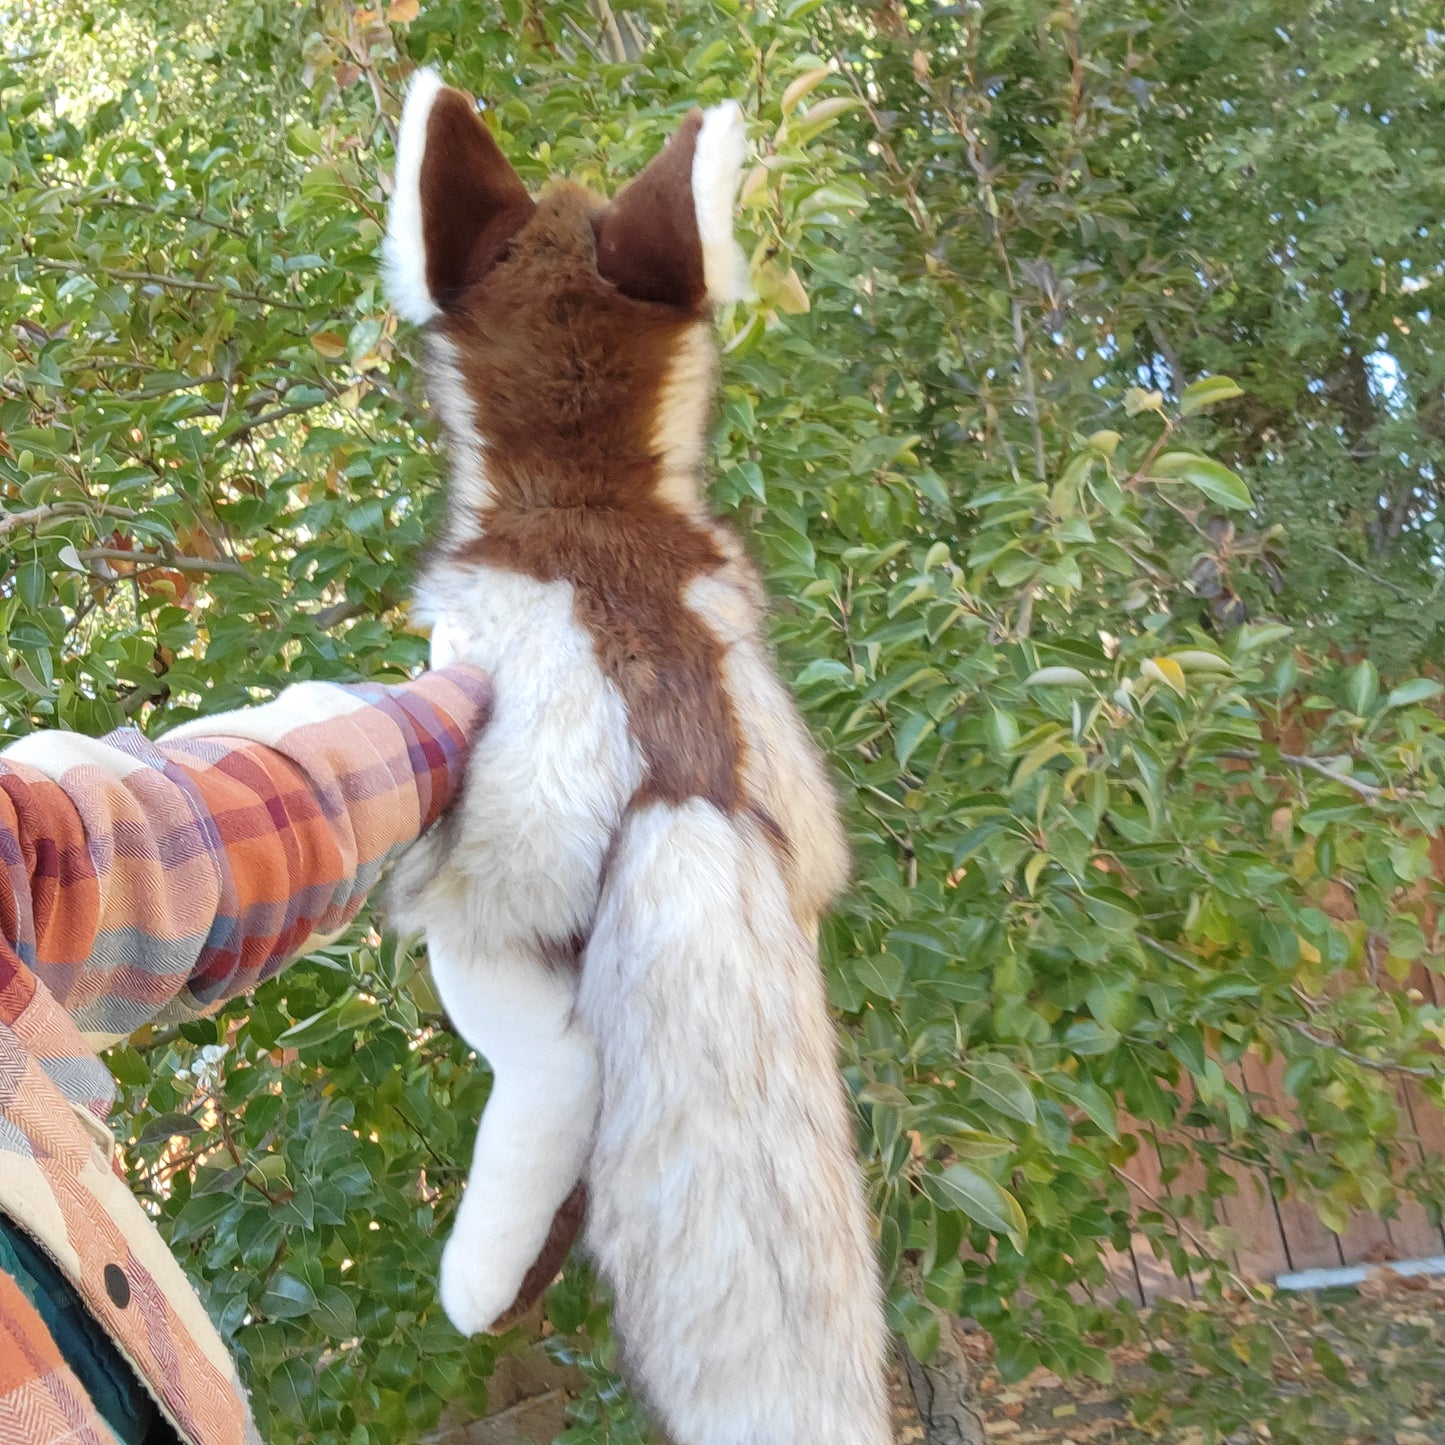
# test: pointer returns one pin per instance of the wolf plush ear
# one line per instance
(668, 234)
(456, 203)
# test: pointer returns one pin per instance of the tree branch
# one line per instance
(1172, 954)
(336, 613)
(1365, 790)
(279, 413)
(151, 393)
(1382, 1066)
(1149, 457)
(1171, 357)
(1369, 791)
(48, 511)
(890, 157)
(156, 561)
(973, 150)
(1031, 397)
(1349, 561)
(617, 48)
(172, 283)
(110, 203)
(1206, 1256)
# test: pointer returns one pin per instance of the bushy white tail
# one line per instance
(726, 1205)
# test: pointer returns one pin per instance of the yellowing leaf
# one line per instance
(791, 297)
(1167, 671)
(329, 344)
(403, 12)
(747, 336)
(1036, 757)
(1136, 399)
(1032, 869)
(823, 114)
(754, 191)
(806, 82)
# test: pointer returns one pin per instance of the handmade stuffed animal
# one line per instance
(621, 913)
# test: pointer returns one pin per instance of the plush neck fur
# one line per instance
(559, 391)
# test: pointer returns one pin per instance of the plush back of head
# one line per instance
(570, 352)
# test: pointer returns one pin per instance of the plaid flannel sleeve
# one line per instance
(151, 880)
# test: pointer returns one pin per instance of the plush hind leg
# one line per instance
(522, 1202)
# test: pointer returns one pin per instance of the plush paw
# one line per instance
(479, 1280)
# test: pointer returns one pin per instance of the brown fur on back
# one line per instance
(566, 376)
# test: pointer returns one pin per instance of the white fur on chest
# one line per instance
(554, 770)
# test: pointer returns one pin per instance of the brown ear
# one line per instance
(648, 244)
(456, 205)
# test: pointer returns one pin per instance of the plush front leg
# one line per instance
(517, 1010)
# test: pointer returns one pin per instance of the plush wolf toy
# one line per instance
(622, 911)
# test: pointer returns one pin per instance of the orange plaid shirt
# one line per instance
(150, 882)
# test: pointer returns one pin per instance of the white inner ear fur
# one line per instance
(404, 250)
(717, 167)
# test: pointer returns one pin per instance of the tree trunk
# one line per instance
(944, 1391)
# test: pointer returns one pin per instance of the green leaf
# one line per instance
(1217, 482)
(1087, 1037)
(287, 1297)
(823, 669)
(1002, 730)
(1416, 689)
(1057, 677)
(1097, 1105)
(977, 1144)
(1196, 659)
(1252, 637)
(921, 1331)
(916, 726)
(168, 1126)
(962, 1187)
(1207, 391)
(309, 1032)
(1362, 687)
(335, 1312)
(31, 582)
(881, 973)
(999, 1084)
(1036, 757)
(1331, 1366)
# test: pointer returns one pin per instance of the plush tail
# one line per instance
(726, 1206)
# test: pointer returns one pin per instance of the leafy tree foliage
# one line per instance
(1065, 603)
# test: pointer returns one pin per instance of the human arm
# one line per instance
(151, 880)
